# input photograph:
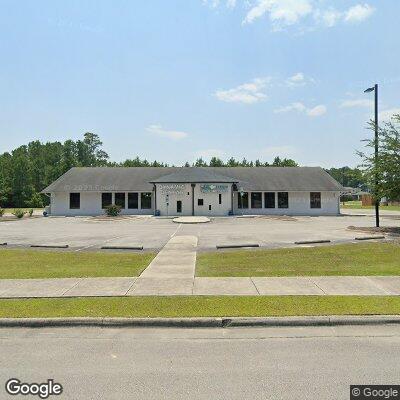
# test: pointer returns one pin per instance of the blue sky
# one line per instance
(174, 80)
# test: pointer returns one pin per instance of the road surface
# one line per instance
(239, 363)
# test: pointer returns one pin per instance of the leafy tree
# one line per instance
(216, 162)
(5, 178)
(349, 177)
(386, 168)
(200, 163)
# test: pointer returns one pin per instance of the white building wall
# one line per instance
(212, 200)
(299, 204)
(185, 195)
(167, 201)
(91, 205)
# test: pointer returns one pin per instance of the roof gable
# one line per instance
(194, 175)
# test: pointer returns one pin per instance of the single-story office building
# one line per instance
(207, 191)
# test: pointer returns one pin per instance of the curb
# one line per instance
(334, 320)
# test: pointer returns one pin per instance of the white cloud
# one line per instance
(285, 13)
(357, 103)
(291, 107)
(317, 111)
(216, 3)
(300, 107)
(329, 17)
(159, 131)
(358, 13)
(207, 154)
(281, 12)
(298, 79)
(211, 3)
(281, 151)
(386, 115)
(248, 93)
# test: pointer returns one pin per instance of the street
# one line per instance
(238, 363)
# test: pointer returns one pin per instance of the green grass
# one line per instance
(46, 264)
(11, 210)
(358, 205)
(348, 259)
(199, 306)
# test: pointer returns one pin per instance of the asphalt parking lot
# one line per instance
(91, 233)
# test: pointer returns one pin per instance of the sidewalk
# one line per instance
(172, 273)
(317, 286)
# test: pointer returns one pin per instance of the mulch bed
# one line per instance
(393, 230)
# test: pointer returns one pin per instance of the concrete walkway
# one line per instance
(172, 273)
(150, 286)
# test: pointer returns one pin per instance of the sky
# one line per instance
(173, 80)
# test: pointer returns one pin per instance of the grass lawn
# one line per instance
(358, 205)
(21, 264)
(347, 259)
(199, 306)
(11, 210)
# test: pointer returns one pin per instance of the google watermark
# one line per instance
(375, 392)
(43, 390)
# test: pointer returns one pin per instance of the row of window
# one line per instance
(269, 200)
(119, 200)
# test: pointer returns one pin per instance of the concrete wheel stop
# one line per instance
(191, 220)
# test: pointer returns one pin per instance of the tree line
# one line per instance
(28, 169)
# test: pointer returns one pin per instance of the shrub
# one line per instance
(30, 212)
(36, 201)
(113, 210)
(2, 211)
(19, 213)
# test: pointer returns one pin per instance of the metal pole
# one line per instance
(377, 200)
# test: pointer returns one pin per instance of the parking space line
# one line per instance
(176, 231)
(99, 243)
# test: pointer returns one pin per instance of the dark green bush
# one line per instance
(113, 210)
(2, 211)
(30, 212)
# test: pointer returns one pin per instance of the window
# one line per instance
(283, 200)
(315, 199)
(200, 202)
(243, 200)
(220, 198)
(269, 200)
(133, 200)
(256, 200)
(106, 200)
(74, 201)
(179, 206)
(120, 199)
(209, 207)
(145, 200)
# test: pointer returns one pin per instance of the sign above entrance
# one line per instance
(213, 188)
(172, 188)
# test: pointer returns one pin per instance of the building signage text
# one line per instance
(172, 188)
(207, 188)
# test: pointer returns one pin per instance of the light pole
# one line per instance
(377, 200)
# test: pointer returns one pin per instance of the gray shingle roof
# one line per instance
(193, 174)
(94, 179)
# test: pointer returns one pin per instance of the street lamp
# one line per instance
(369, 90)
